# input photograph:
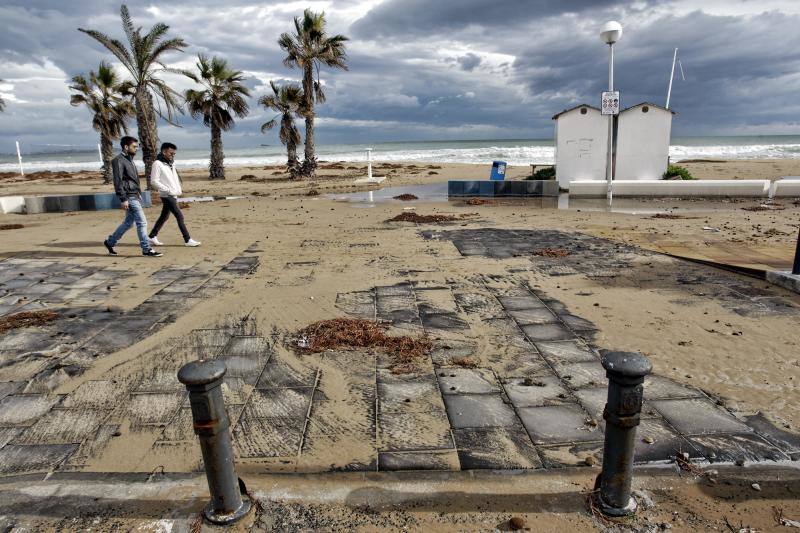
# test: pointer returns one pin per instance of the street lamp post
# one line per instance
(610, 34)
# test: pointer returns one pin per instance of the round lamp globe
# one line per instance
(611, 32)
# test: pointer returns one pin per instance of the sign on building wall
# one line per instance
(610, 103)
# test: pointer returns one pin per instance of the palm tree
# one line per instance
(287, 101)
(307, 49)
(143, 60)
(221, 97)
(2, 102)
(108, 99)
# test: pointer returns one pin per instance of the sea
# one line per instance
(513, 151)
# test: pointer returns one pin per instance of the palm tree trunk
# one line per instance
(148, 133)
(107, 149)
(310, 162)
(216, 166)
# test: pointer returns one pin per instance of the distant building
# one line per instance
(642, 146)
(643, 133)
(581, 145)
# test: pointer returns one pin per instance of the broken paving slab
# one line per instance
(789, 442)
(467, 381)
(730, 448)
(657, 441)
(479, 305)
(536, 391)
(479, 411)
(28, 459)
(504, 448)
(418, 460)
(555, 424)
(695, 416)
(572, 454)
(25, 409)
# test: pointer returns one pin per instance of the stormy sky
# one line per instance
(422, 70)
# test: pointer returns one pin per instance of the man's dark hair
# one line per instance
(127, 140)
(167, 146)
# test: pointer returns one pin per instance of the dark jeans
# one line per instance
(169, 204)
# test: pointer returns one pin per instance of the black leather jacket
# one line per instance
(126, 177)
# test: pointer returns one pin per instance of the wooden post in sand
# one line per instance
(19, 158)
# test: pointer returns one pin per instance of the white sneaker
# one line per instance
(192, 243)
(155, 242)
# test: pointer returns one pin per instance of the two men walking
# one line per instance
(129, 192)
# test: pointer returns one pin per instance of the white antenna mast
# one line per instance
(672, 75)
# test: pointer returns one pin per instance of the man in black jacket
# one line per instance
(129, 192)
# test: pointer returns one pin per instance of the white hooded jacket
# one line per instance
(165, 179)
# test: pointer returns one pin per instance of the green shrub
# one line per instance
(544, 173)
(677, 172)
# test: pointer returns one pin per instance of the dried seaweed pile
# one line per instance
(359, 333)
(551, 252)
(421, 219)
(477, 201)
(26, 319)
(11, 226)
(406, 197)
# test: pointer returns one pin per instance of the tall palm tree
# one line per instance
(143, 59)
(222, 97)
(287, 101)
(2, 102)
(108, 98)
(307, 49)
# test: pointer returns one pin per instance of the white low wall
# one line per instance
(12, 204)
(788, 186)
(696, 188)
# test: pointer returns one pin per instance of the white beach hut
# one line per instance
(581, 144)
(642, 144)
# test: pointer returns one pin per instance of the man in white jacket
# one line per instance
(165, 179)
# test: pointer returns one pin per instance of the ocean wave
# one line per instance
(517, 155)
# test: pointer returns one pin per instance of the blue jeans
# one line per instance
(134, 215)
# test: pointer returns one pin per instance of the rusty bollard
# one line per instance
(203, 380)
(626, 372)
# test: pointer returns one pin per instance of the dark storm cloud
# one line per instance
(423, 17)
(445, 69)
(469, 62)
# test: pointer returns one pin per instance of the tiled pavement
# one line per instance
(534, 402)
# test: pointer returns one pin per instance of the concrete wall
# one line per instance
(786, 187)
(673, 188)
(581, 146)
(12, 204)
(643, 135)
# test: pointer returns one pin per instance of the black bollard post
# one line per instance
(796, 267)
(203, 380)
(626, 372)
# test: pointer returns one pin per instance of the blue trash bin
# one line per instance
(498, 171)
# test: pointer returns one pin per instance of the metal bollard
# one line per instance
(626, 372)
(796, 267)
(203, 380)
